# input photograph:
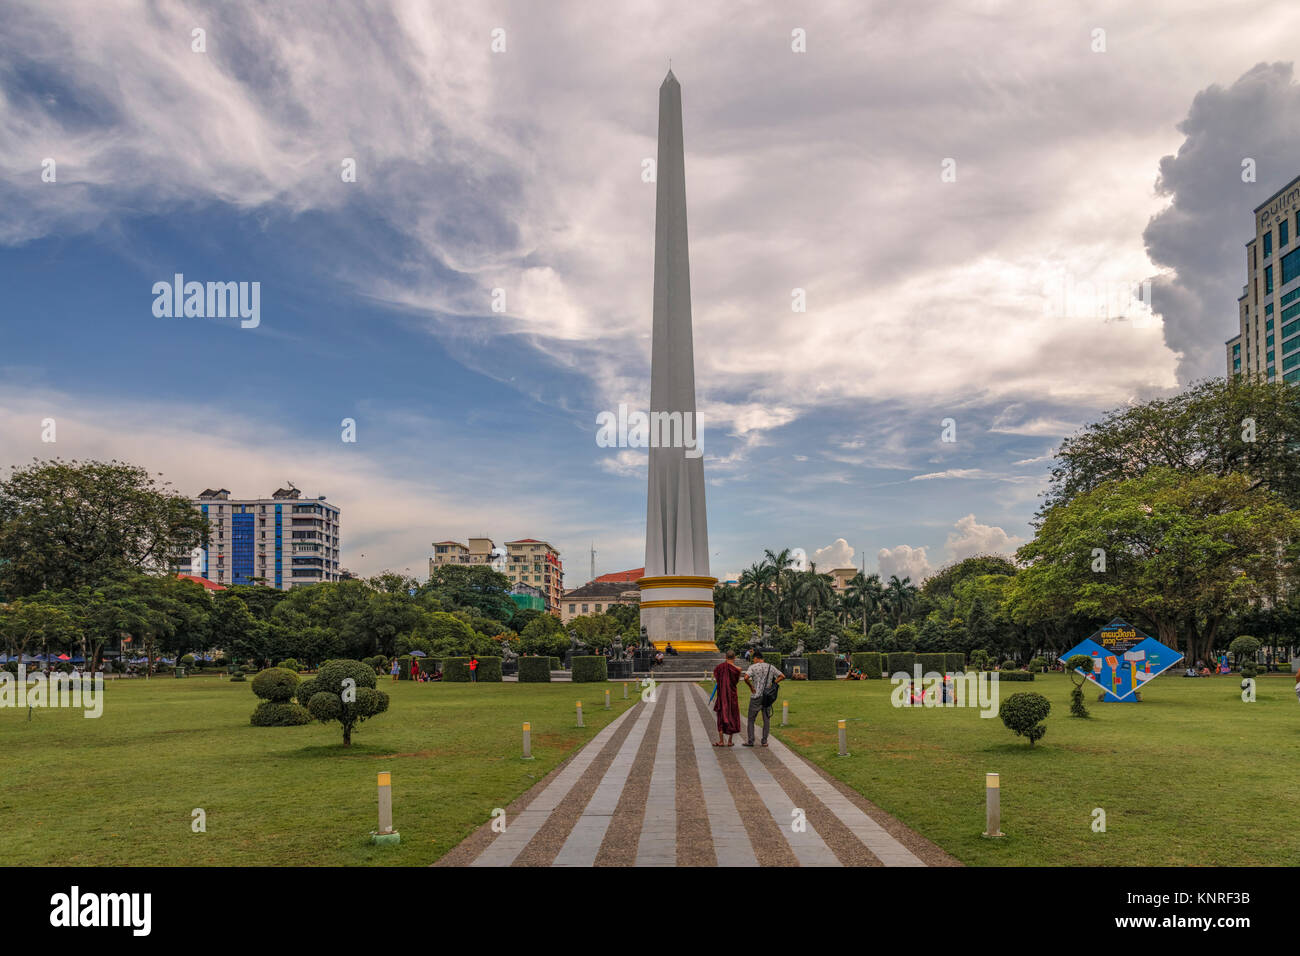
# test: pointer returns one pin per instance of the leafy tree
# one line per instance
(867, 595)
(1202, 431)
(904, 638)
(545, 636)
(900, 596)
(877, 636)
(1077, 663)
(774, 568)
(473, 586)
(1244, 648)
(30, 624)
(343, 691)
(1182, 552)
(65, 525)
(595, 630)
(1024, 713)
(824, 628)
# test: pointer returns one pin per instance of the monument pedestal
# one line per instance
(678, 609)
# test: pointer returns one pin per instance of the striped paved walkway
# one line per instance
(651, 790)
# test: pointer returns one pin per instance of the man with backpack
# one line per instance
(762, 679)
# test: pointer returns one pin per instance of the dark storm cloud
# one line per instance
(1202, 235)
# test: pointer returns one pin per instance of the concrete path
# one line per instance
(651, 790)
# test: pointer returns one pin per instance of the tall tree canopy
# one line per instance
(71, 524)
(1215, 427)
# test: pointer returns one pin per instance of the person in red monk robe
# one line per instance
(726, 678)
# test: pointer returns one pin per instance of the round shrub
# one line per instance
(589, 669)
(238, 677)
(1024, 713)
(325, 707)
(276, 683)
(186, 661)
(273, 713)
(1008, 665)
(534, 670)
(290, 665)
(305, 690)
(1245, 648)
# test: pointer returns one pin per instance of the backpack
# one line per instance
(769, 694)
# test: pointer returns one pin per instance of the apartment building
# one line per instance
(284, 541)
(527, 561)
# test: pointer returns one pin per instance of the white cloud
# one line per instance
(971, 538)
(838, 554)
(904, 561)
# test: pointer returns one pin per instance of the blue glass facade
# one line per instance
(241, 533)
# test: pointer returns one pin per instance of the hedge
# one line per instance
(556, 665)
(489, 670)
(534, 670)
(590, 669)
(901, 661)
(821, 666)
(932, 663)
(1015, 675)
(456, 670)
(955, 663)
(868, 662)
(404, 667)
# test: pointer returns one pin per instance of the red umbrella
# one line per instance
(64, 657)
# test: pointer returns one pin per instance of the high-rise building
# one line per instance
(284, 541)
(1268, 341)
(526, 561)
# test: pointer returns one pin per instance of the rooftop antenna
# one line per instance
(593, 560)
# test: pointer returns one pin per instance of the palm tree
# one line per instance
(900, 596)
(867, 592)
(777, 565)
(753, 580)
(813, 590)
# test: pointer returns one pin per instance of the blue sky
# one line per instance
(520, 170)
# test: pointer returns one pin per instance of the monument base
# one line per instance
(678, 609)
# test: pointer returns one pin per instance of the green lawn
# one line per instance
(1191, 776)
(120, 789)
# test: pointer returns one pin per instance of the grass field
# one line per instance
(1191, 776)
(120, 789)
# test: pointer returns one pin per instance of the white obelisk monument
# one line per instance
(677, 591)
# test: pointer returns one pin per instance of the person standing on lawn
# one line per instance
(762, 679)
(473, 670)
(726, 705)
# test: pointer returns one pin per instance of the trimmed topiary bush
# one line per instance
(1077, 663)
(1245, 648)
(869, 663)
(455, 669)
(1024, 713)
(305, 690)
(821, 666)
(345, 691)
(534, 670)
(589, 669)
(489, 669)
(238, 677)
(954, 662)
(901, 661)
(276, 713)
(291, 664)
(931, 663)
(1015, 675)
(277, 687)
(556, 665)
(275, 683)
(1008, 665)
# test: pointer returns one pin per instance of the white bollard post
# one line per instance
(528, 741)
(607, 700)
(385, 834)
(580, 723)
(993, 805)
(625, 690)
(785, 713)
(844, 740)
